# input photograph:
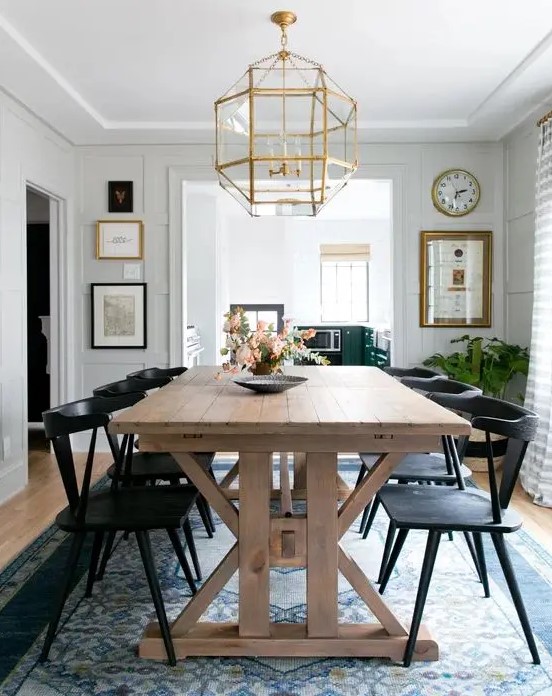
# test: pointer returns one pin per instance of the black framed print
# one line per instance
(120, 197)
(118, 315)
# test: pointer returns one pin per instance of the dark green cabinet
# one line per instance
(351, 345)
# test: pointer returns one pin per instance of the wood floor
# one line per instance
(28, 513)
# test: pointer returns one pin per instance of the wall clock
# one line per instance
(455, 192)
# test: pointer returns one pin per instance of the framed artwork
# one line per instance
(119, 196)
(455, 278)
(119, 239)
(118, 315)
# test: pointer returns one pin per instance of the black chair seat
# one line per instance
(419, 467)
(422, 507)
(133, 509)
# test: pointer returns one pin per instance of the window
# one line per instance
(344, 281)
(272, 314)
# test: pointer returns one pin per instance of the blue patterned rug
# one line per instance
(483, 652)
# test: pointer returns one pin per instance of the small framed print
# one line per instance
(455, 279)
(119, 239)
(118, 315)
(119, 197)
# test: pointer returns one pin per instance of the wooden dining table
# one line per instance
(337, 410)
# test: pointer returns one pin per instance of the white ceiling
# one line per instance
(106, 71)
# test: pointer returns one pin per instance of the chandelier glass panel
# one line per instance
(286, 134)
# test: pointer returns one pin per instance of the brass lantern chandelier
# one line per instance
(286, 134)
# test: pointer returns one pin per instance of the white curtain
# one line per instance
(536, 475)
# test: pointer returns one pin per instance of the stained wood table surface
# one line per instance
(339, 409)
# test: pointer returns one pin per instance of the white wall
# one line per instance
(520, 167)
(304, 238)
(415, 166)
(277, 260)
(29, 152)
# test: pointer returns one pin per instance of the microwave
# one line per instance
(326, 340)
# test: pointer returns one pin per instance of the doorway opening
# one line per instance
(38, 317)
(232, 259)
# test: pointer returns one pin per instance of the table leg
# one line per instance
(322, 538)
(322, 635)
(253, 542)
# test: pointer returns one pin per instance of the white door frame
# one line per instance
(178, 176)
(61, 305)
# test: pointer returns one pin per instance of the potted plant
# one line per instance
(264, 350)
(487, 363)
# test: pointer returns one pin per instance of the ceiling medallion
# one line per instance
(286, 134)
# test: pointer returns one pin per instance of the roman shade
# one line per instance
(344, 252)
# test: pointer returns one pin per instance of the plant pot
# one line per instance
(480, 463)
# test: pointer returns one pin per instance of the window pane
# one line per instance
(252, 319)
(344, 290)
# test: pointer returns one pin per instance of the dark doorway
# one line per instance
(38, 315)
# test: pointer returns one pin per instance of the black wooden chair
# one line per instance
(150, 468)
(135, 510)
(400, 372)
(420, 468)
(444, 509)
(155, 372)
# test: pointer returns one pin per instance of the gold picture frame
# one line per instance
(455, 279)
(120, 240)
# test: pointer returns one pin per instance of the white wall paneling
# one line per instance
(159, 173)
(30, 154)
(521, 148)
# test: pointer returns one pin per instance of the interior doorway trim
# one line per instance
(61, 302)
(178, 176)
(178, 299)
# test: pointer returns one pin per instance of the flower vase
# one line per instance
(261, 368)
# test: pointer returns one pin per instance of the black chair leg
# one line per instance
(177, 546)
(509, 574)
(361, 473)
(94, 558)
(373, 509)
(72, 559)
(389, 539)
(390, 564)
(187, 529)
(153, 582)
(478, 540)
(209, 514)
(201, 508)
(432, 547)
(475, 558)
(106, 555)
(364, 519)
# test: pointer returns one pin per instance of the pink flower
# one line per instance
(243, 355)
(261, 326)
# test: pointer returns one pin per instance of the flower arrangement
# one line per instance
(264, 350)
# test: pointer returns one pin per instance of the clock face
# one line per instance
(455, 192)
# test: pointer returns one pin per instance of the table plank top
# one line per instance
(335, 400)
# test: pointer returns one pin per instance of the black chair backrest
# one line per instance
(493, 416)
(422, 372)
(439, 385)
(154, 372)
(75, 417)
(134, 384)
